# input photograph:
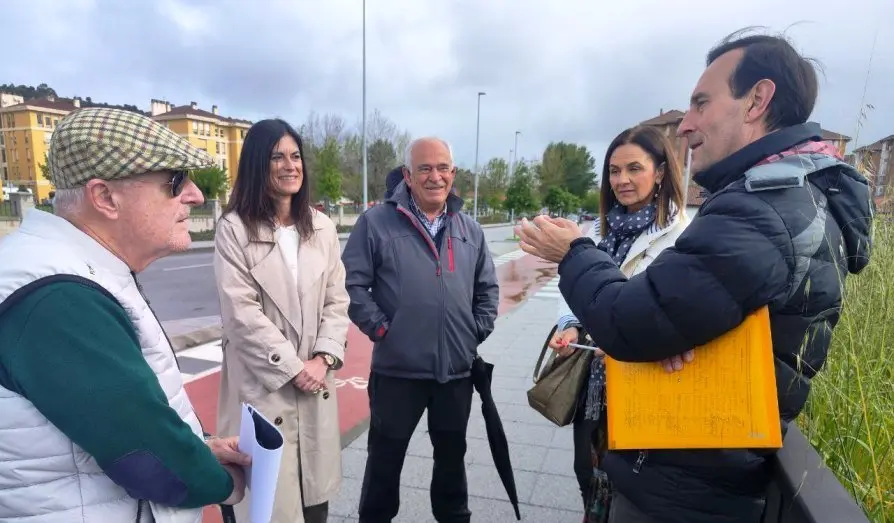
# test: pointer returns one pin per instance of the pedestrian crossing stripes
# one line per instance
(200, 361)
(508, 257)
(550, 291)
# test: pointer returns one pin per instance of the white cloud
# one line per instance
(572, 69)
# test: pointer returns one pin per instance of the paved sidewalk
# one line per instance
(541, 452)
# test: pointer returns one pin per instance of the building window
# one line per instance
(195, 127)
(40, 120)
(28, 153)
(2, 155)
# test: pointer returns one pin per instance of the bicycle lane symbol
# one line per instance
(355, 382)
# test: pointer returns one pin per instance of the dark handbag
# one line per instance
(556, 389)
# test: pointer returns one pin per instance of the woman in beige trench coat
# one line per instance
(284, 309)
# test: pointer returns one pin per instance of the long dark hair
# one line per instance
(661, 150)
(251, 198)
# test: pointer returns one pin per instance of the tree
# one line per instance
(212, 181)
(352, 167)
(328, 174)
(381, 159)
(590, 202)
(559, 200)
(464, 182)
(569, 166)
(520, 193)
(45, 168)
(493, 183)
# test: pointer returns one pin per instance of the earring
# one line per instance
(657, 190)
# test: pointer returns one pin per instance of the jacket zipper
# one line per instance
(425, 236)
(639, 461)
(431, 244)
(450, 253)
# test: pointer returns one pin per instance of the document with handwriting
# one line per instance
(724, 398)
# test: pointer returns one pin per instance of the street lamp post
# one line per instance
(515, 156)
(477, 136)
(363, 132)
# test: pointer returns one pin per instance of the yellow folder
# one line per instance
(725, 398)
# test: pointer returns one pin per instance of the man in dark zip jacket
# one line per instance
(423, 288)
(785, 222)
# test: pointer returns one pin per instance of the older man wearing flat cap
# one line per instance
(96, 425)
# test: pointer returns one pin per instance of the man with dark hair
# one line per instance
(786, 221)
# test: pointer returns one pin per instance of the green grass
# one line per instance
(850, 416)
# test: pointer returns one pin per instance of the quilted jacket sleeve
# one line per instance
(734, 257)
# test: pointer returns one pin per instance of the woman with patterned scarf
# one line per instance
(641, 213)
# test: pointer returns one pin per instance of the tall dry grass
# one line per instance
(850, 416)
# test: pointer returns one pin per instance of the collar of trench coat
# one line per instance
(271, 272)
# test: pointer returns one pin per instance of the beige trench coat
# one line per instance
(269, 330)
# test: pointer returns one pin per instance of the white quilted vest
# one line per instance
(44, 476)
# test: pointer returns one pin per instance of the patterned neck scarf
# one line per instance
(624, 228)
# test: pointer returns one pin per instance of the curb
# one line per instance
(181, 342)
(354, 432)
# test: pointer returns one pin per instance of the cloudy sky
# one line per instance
(574, 70)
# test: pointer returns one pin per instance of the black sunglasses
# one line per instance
(178, 182)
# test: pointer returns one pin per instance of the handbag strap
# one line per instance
(543, 352)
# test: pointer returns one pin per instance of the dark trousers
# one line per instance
(396, 406)
(623, 511)
(317, 513)
(584, 433)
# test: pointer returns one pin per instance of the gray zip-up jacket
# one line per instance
(426, 308)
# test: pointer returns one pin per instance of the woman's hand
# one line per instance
(313, 377)
(561, 339)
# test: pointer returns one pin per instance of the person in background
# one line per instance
(284, 307)
(424, 289)
(95, 424)
(785, 222)
(392, 179)
(641, 213)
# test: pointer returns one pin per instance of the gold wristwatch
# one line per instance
(329, 359)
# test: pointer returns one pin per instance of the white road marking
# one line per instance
(184, 267)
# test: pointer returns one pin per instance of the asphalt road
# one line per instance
(183, 286)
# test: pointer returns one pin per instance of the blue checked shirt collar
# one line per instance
(432, 226)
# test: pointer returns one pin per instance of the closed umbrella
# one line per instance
(482, 375)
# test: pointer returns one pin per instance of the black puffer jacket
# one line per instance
(762, 237)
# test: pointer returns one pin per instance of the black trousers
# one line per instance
(396, 406)
(316, 513)
(584, 434)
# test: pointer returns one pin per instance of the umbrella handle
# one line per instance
(227, 513)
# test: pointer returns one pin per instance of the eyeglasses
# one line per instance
(178, 182)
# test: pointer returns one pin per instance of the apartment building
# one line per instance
(26, 128)
(219, 135)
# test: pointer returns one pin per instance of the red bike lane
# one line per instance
(518, 279)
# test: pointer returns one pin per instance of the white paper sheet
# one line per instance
(261, 440)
